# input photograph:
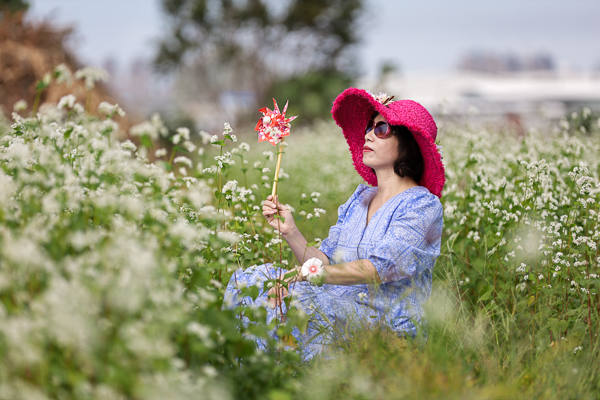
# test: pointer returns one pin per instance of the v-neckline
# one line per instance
(367, 221)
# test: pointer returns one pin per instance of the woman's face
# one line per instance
(380, 153)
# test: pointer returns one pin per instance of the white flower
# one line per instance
(244, 146)
(91, 75)
(47, 78)
(214, 139)
(153, 128)
(268, 154)
(184, 132)
(183, 160)
(231, 185)
(189, 146)
(362, 296)
(541, 277)
(205, 136)
(160, 153)
(20, 105)
(266, 170)
(67, 101)
(110, 109)
(382, 98)
(63, 74)
(128, 145)
(313, 271)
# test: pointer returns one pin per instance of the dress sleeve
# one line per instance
(329, 244)
(411, 242)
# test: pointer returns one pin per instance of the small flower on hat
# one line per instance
(440, 150)
(382, 98)
(273, 125)
(313, 271)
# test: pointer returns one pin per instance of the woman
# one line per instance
(379, 257)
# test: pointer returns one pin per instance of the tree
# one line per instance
(252, 45)
(13, 6)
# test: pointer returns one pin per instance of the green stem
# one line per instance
(36, 102)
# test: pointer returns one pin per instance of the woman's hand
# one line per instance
(284, 225)
(277, 293)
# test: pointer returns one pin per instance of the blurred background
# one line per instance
(199, 63)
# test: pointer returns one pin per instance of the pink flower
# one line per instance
(273, 125)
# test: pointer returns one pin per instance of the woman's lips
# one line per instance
(367, 149)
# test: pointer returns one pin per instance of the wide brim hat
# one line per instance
(352, 110)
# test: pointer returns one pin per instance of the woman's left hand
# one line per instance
(277, 293)
(273, 209)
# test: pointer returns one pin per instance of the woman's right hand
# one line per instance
(284, 225)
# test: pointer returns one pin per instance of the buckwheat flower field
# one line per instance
(113, 267)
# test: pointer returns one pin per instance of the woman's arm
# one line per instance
(299, 246)
(352, 273)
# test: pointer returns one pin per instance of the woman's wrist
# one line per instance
(291, 234)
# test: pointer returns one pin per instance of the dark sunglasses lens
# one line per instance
(381, 129)
(369, 127)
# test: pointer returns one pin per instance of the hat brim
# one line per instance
(351, 112)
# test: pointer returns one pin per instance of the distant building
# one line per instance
(495, 63)
(521, 100)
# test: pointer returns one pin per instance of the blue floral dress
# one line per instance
(402, 240)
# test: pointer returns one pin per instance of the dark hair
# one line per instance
(410, 160)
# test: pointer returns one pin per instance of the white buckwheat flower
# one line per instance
(20, 105)
(160, 153)
(110, 109)
(67, 101)
(231, 185)
(183, 160)
(91, 75)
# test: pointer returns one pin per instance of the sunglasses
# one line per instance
(381, 129)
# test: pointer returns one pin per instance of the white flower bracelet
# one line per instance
(313, 271)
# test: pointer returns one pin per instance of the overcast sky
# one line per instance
(423, 35)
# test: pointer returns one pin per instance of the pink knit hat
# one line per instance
(352, 110)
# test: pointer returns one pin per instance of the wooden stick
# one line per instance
(279, 154)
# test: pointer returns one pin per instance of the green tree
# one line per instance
(254, 45)
(13, 6)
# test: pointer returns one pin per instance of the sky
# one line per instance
(416, 35)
